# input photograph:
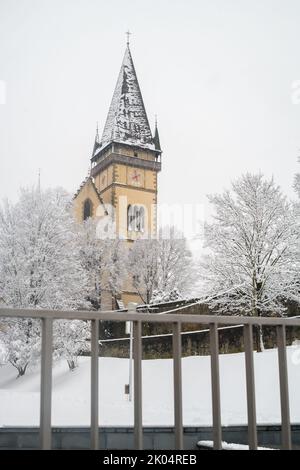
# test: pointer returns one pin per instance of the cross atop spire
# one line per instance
(128, 34)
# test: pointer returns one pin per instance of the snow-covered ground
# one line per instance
(19, 398)
(229, 446)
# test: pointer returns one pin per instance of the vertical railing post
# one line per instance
(131, 308)
(130, 361)
(46, 383)
(95, 384)
(215, 385)
(138, 407)
(250, 383)
(284, 389)
(177, 377)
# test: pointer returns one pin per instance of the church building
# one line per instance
(124, 167)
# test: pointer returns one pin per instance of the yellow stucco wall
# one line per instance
(86, 192)
(116, 188)
(120, 185)
(104, 178)
(131, 297)
(107, 195)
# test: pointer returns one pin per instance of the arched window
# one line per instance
(130, 218)
(136, 218)
(140, 219)
(87, 209)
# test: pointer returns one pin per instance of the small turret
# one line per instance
(156, 137)
(97, 144)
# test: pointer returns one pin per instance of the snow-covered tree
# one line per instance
(21, 339)
(176, 271)
(71, 338)
(297, 183)
(296, 207)
(39, 268)
(103, 260)
(143, 267)
(161, 266)
(250, 245)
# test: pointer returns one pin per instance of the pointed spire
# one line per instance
(127, 120)
(156, 136)
(97, 134)
(97, 141)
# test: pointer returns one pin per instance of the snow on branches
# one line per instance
(162, 268)
(40, 267)
(103, 260)
(251, 244)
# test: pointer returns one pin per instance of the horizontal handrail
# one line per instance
(148, 317)
(176, 320)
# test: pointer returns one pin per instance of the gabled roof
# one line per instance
(127, 120)
(89, 180)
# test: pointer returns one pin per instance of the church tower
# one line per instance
(124, 166)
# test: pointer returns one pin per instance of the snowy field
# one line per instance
(19, 398)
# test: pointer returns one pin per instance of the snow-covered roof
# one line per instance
(127, 120)
(90, 180)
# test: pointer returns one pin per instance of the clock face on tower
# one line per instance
(135, 177)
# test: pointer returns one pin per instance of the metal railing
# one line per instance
(176, 319)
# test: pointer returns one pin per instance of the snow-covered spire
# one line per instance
(127, 121)
(97, 134)
(97, 140)
(156, 136)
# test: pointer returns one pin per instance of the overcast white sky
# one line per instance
(218, 73)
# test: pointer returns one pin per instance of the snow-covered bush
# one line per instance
(160, 296)
(71, 338)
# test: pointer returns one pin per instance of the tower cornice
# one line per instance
(135, 162)
(101, 151)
